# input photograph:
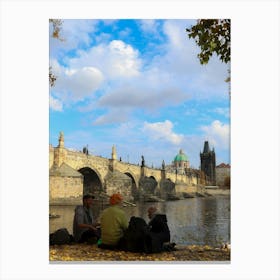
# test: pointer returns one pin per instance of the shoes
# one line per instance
(169, 247)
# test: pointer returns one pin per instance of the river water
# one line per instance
(199, 221)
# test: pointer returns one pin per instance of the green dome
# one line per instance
(181, 156)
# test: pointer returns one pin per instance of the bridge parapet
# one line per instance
(97, 171)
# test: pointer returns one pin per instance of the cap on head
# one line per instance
(88, 195)
(116, 198)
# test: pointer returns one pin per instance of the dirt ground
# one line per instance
(85, 252)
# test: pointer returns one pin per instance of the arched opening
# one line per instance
(134, 190)
(148, 185)
(92, 182)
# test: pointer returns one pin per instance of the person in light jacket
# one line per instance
(113, 223)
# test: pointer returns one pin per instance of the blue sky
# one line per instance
(138, 85)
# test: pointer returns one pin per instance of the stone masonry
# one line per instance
(72, 173)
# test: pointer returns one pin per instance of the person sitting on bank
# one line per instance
(113, 224)
(85, 228)
(159, 230)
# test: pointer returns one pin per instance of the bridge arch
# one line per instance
(92, 182)
(134, 189)
(148, 185)
(167, 188)
(154, 185)
(152, 177)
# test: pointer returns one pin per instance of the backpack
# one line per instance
(60, 236)
(135, 235)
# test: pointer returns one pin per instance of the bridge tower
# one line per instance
(208, 163)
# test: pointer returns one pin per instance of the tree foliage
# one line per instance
(55, 26)
(212, 36)
(52, 77)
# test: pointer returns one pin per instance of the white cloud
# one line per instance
(217, 133)
(173, 29)
(162, 131)
(115, 60)
(149, 26)
(139, 95)
(180, 58)
(131, 82)
(74, 85)
(180, 54)
(114, 116)
(55, 104)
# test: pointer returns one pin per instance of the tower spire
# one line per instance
(208, 164)
(114, 152)
(61, 140)
(206, 148)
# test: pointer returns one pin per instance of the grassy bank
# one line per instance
(85, 252)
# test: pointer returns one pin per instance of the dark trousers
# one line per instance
(90, 235)
(118, 246)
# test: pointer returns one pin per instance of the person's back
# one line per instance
(135, 235)
(159, 231)
(113, 222)
(158, 224)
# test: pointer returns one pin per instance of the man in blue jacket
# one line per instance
(85, 228)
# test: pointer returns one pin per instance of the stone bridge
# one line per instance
(73, 173)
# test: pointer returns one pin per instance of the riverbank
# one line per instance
(184, 253)
(217, 192)
(206, 193)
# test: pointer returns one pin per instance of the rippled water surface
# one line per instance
(191, 221)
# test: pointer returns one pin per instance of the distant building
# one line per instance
(208, 164)
(223, 175)
(181, 163)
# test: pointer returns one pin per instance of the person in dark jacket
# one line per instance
(158, 225)
(158, 231)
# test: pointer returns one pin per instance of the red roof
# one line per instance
(223, 165)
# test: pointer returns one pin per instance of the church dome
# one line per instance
(181, 156)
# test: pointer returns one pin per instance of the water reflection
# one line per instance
(191, 221)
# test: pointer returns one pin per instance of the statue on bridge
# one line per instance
(163, 165)
(85, 150)
(143, 161)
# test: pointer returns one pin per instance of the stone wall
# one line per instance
(116, 182)
(62, 188)
(167, 188)
(51, 156)
(221, 175)
(183, 188)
